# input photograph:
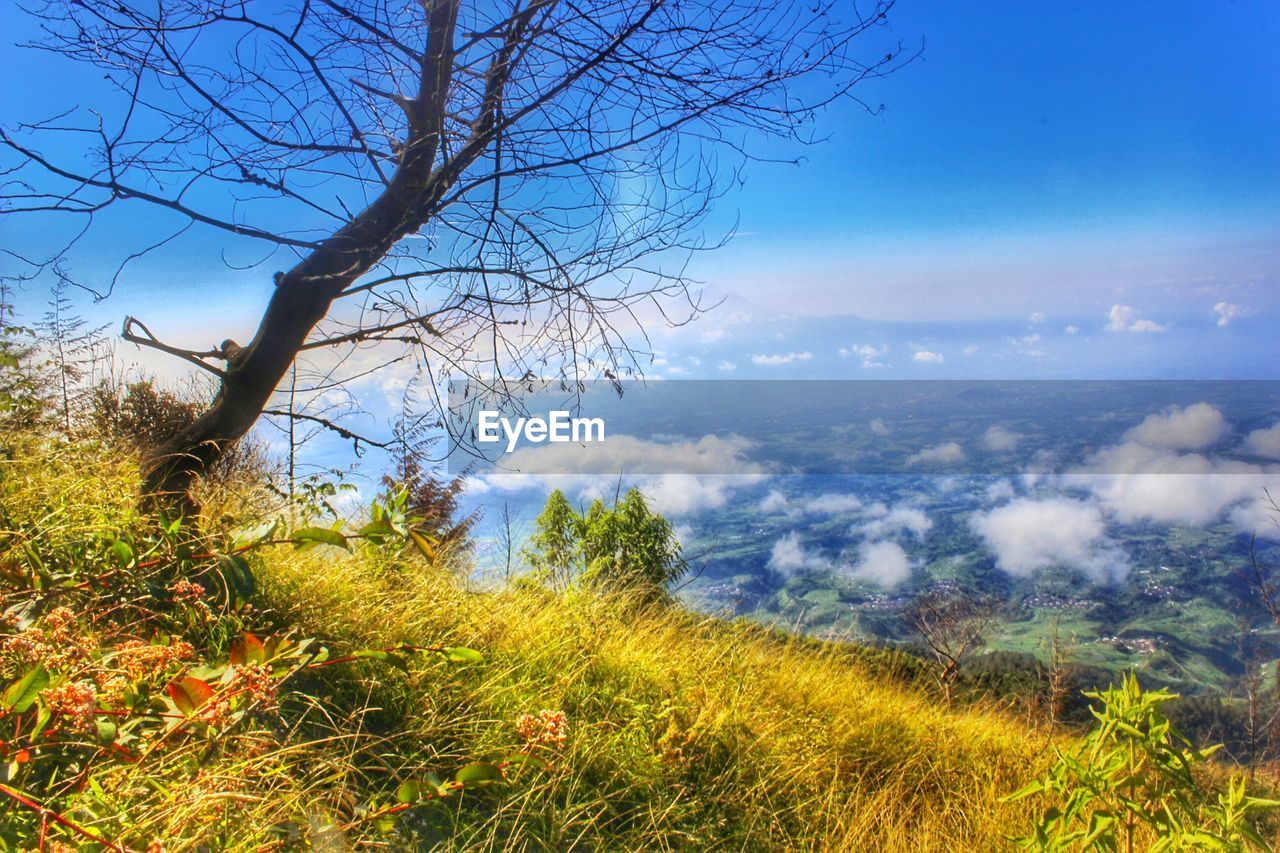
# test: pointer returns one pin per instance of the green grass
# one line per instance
(683, 731)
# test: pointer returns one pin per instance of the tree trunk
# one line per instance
(251, 378)
(304, 294)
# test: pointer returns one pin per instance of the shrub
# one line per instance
(139, 414)
(145, 695)
(1135, 774)
(625, 547)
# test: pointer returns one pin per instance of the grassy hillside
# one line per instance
(584, 721)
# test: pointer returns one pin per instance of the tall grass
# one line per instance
(683, 731)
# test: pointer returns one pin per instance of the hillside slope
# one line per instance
(664, 729)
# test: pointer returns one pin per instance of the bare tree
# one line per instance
(1060, 651)
(1260, 576)
(73, 352)
(1262, 711)
(953, 623)
(499, 189)
(506, 541)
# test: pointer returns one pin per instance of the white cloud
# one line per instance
(1124, 318)
(998, 439)
(829, 503)
(1257, 517)
(886, 522)
(879, 427)
(775, 501)
(789, 556)
(1037, 317)
(1072, 330)
(1193, 428)
(781, 358)
(1148, 326)
(626, 454)
(1264, 442)
(866, 352)
(1000, 490)
(1227, 312)
(928, 357)
(1118, 318)
(681, 494)
(726, 366)
(944, 453)
(1141, 483)
(684, 534)
(710, 470)
(882, 563)
(1029, 535)
(710, 336)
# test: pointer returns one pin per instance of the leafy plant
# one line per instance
(1134, 775)
(432, 500)
(138, 653)
(626, 546)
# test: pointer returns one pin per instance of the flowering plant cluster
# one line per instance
(548, 729)
(135, 665)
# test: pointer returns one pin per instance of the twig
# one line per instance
(50, 814)
(328, 424)
(150, 340)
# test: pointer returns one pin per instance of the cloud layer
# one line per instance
(1028, 535)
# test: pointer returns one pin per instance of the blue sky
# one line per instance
(1034, 147)
(1039, 167)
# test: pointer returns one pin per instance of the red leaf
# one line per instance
(248, 649)
(190, 693)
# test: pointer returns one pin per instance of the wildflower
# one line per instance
(546, 728)
(56, 644)
(187, 591)
(60, 623)
(75, 700)
(215, 712)
(29, 647)
(255, 679)
(113, 689)
(142, 661)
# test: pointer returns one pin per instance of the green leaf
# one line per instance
(309, 537)
(458, 654)
(517, 758)
(249, 536)
(276, 646)
(107, 729)
(122, 553)
(1023, 792)
(23, 693)
(409, 791)
(237, 575)
(518, 762)
(377, 529)
(386, 657)
(424, 543)
(480, 772)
